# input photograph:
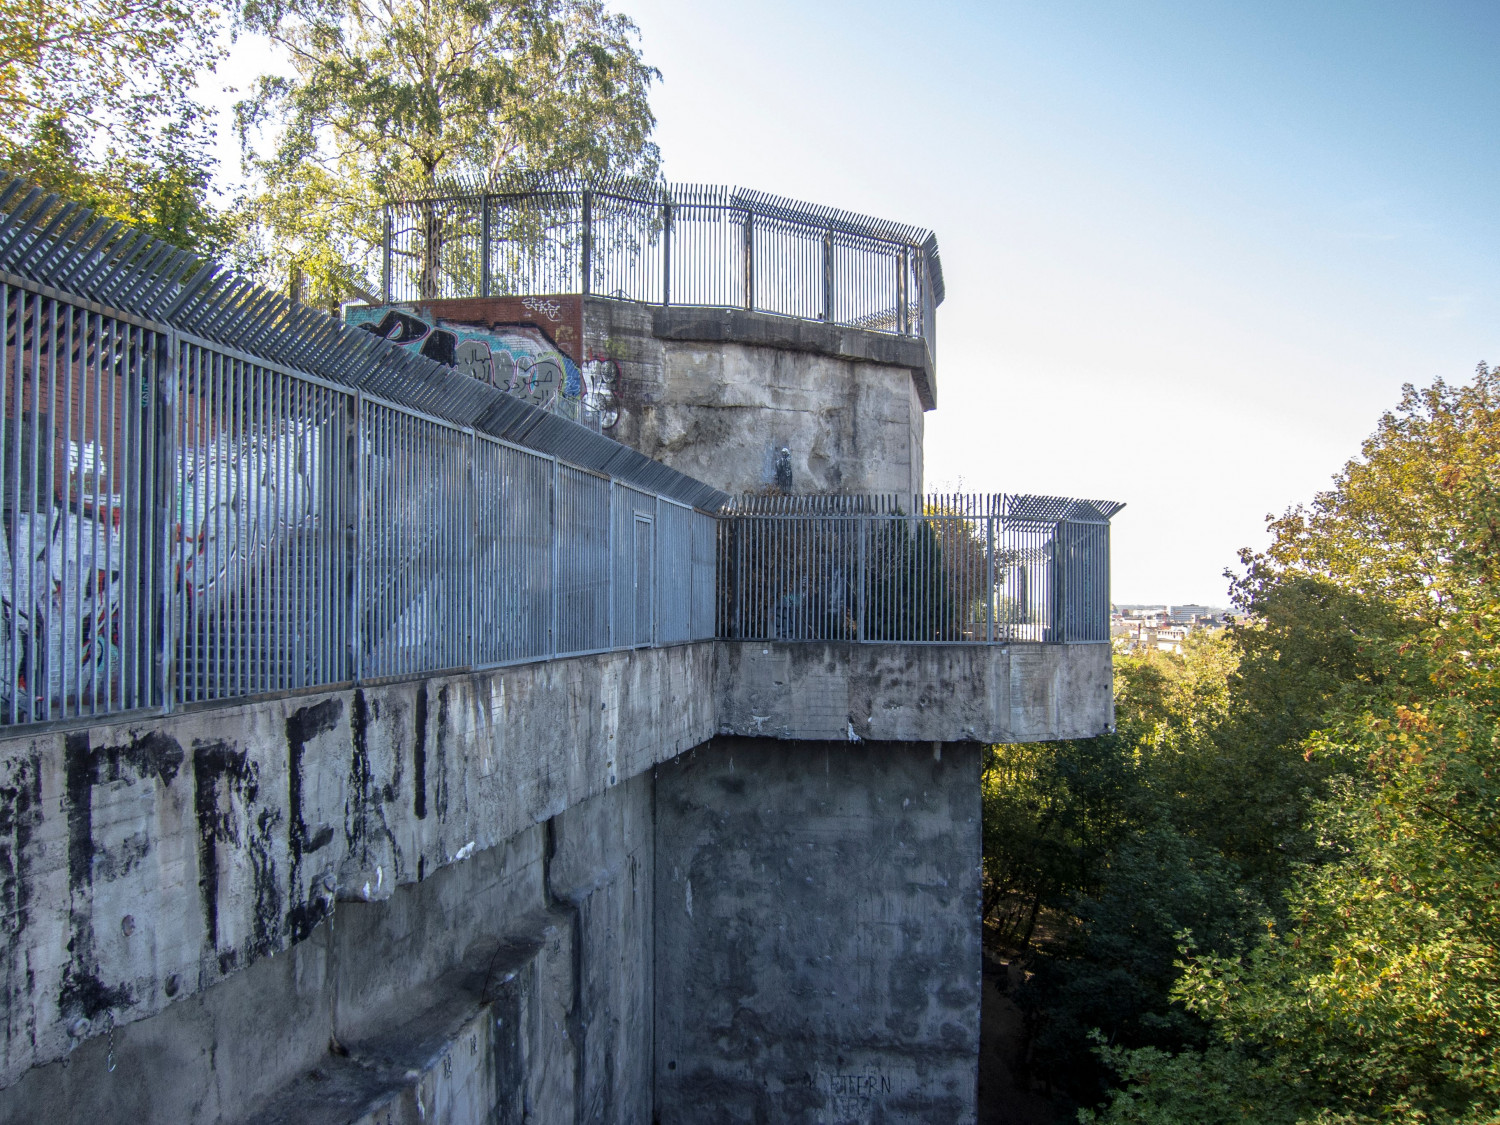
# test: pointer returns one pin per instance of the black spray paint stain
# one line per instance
(220, 771)
(153, 755)
(359, 772)
(20, 812)
(301, 727)
(442, 753)
(419, 755)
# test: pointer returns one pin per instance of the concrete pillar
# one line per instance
(818, 932)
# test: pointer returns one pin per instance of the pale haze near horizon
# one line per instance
(1192, 251)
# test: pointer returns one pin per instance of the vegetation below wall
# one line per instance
(1274, 894)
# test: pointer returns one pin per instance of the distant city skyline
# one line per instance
(1192, 250)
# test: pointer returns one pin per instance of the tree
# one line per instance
(97, 103)
(396, 98)
(1373, 997)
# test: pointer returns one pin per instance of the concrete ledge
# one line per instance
(739, 326)
(913, 693)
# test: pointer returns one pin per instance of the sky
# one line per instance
(1192, 250)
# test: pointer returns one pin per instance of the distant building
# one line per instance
(1164, 628)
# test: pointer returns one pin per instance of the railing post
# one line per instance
(1059, 585)
(385, 259)
(355, 540)
(485, 271)
(989, 553)
(556, 567)
(828, 276)
(167, 397)
(903, 313)
(863, 523)
(749, 260)
(666, 254)
(588, 241)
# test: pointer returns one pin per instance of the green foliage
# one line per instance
(1292, 915)
(1104, 836)
(1373, 998)
(96, 103)
(393, 99)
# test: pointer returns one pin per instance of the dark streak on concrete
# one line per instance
(82, 992)
(419, 755)
(359, 772)
(302, 726)
(441, 800)
(20, 809)
(213, 763)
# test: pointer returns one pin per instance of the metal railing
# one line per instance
(205, 496)
(667, 244)
(187, 521)
(950, 569)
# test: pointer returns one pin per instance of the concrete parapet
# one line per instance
(741, 326)
(746, 401)
(913, 692)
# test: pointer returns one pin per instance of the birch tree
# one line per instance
(390, 98)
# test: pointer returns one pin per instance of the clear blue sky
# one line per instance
(1192, 250)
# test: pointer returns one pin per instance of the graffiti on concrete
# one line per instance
(61, 629)
(601, 380)
(523, 358)
(239, 496)
(64, 566)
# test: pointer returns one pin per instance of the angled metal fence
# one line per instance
(666, 244)
(189, 519)
(949, 569)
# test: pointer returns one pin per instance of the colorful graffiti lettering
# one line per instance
(522, 359)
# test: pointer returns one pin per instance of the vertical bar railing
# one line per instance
(666, 254)
(749, 221)
(386, 280)
(905, 569)
(485, 247)
(586, 261)
(718, 249)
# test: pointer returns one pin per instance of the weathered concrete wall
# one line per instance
(909, 692)
(720, 394)
(144, 862)
(512, 987)
(818, 933)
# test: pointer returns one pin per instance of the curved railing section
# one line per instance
(664, 244)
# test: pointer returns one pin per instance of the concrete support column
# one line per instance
(818, 932)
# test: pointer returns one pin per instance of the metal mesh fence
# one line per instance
(950, 569)
(683, 244)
